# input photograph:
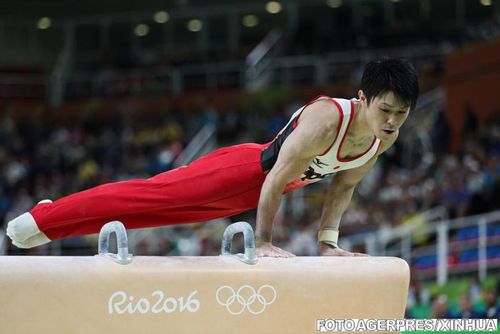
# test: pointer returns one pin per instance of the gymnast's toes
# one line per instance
(36, 240)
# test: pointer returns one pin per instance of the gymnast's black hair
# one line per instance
(391, 75)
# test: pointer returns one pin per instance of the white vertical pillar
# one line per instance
(442, 252)
(406, 248)
(482, 244)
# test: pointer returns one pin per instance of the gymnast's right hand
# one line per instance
(264, 249)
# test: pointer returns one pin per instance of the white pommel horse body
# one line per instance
(115, 293)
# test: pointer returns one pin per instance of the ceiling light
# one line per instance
(334, 3)
(273, 7)
(141, 30)
(161, 17)
(44, 23)
(250, 20)
(194, 25)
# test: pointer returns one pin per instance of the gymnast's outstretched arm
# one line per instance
(337, 199)
(313, 135)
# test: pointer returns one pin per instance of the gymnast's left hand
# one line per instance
(267, 249)
(328, 251)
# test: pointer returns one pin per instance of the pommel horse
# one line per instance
(231, 293)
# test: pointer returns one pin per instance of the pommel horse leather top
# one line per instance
(195, 294)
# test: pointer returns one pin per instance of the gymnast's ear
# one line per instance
(362, 96)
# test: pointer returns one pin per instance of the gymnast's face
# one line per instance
(385, 114)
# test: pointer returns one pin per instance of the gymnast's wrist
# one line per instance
(328, 245)
(262, 240)
(328, 237)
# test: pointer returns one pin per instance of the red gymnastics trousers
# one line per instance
(221, 184)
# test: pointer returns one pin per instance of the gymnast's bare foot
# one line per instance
(266, 249)
(24, 232)
(328, 251)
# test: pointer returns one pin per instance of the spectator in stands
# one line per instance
(466, 309)
(440, 308)
(455, 193)
(491, 300)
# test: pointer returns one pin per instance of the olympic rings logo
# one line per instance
(246, 298)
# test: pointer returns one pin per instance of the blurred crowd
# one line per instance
(460, 299)
(53, 160)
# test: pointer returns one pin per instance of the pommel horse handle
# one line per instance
(248, 236)
(123, 256)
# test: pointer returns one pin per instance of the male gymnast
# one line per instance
(326, 136)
